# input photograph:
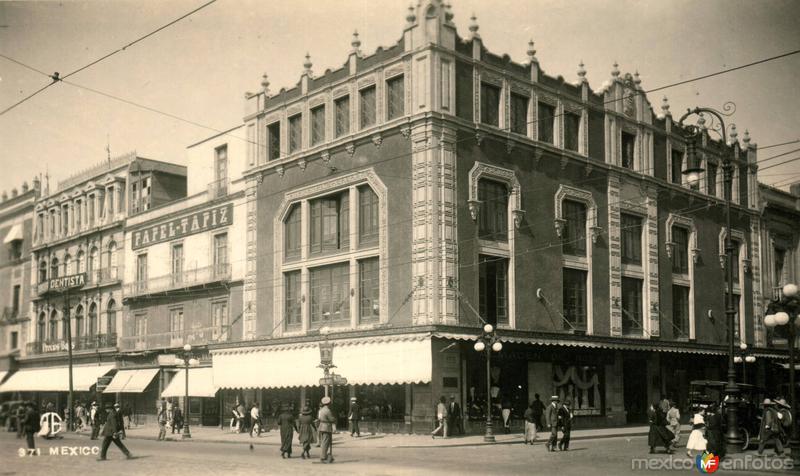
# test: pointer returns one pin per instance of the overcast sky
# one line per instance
(200, 68)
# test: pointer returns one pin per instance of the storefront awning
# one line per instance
(200, 383)
(131, 381)
(379, 360)
(55, 379)
(3, 374)
(14, 234)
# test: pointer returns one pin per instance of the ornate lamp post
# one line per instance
(187, 359)
(733, 435)
(783, 312)
(488, 343)
(744, 358)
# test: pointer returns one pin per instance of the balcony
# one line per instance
(104, 276)
(217, 189)
(42, 288)
(186, 279)
(170, 340)
(98, 341)
(10, 315)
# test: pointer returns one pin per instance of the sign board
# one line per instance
(339, 380)
(326, 381)
(102, 383)
(197, 222)
(60, 346)
(64, 283)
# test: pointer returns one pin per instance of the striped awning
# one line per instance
(376, 360)
(131, 381)
(55, 379)
(200, 383)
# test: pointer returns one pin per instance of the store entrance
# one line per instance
(634, 378)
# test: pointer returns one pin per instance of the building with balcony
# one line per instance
(184, 274)
(16, 233)
(79, 230)
(398, 203)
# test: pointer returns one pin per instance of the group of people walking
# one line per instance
(448, 418)
(169, 416)
(309, 429)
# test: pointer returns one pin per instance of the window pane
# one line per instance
(544, 120)
(572, 123)
(342, 106)
(330, 294)
(677, 167)
(293, 304)
(490, 104)
(680, 309)
(367, 106)
(295, 133)
(574, 235)
(632, 306)
(367, 215)
(711, 179)
(628, 144)
(494, 210)
(274, 141)
(395, 98)
(493, 289)
(369, 289)
(631, 239)
(317, 125)
(680, 253)
(519, 114)
(292, 232)
(575, 297)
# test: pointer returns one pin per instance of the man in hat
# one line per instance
(355, 416)
(94, 414)
(30, 423)
(770, 428)
(551, 420)
(454, 415)
(326, 420)
(111, 433)
(565, 423)
(120, 421)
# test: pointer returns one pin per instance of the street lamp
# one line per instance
(186, 358)
(488, 342)
(783, 312)
(744, 358)
(733, 436)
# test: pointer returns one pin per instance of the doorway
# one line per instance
(634, 382)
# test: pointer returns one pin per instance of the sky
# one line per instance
(200, 68)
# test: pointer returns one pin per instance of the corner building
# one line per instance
(397, 203)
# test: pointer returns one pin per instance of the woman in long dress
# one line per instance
(697, 441)
(305, 431)
(716, 442)
(287, 425)
(659, 434)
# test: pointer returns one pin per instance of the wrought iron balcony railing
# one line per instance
(10, 314)
(206, 275)
(217, 189)
(168, 340)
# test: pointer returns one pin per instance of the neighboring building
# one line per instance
(16, 231)
(183, 282)
(393, 201)
(79, 234)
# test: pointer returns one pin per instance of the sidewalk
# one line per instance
(215, 435)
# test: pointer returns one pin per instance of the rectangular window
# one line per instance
(493, 289)
(680, 309)
(628, 145)
(574, 235)
(632, 306)
(545, 122)
(318, 125)
(369, 290)
(367, 216)
(677, 166)
(330, 294)
(342, 106)
(292, 242)
(295, 133)
(631, 228)
(711, 179)
(274, 141)
(141, 272)
(221, 164)
(176, 322)
(490, 104)
(736, 248)
(575, 297)
(220, 254)
(330, 230)
(177, 263)
(572, 127)
(14, 340)
(395, 100)
(519, 114)
(89, 211)
(78, 216)
(15, 300)
(367, 104)
(780, 258)
(293, 304)
(140, 325)
(680, 251)
(494, 210)
(219, 319)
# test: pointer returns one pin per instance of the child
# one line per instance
(697, 440)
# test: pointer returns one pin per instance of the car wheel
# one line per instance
(745, 438)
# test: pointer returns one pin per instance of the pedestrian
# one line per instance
(111, 433)
(288, 426)
(506, 413)
(538, 412)
(79, 416)
(697, 441)
(659, 435)
(530, 425)
(326, 420)
(551, 420)
(162, 421)
(441, 418)
(714, 431)
(565, 416)
(354, 417)
(20, 419)
(95, 416)
(454, 414)
(31, 423)
(126, 415)
(770, 428)
(240, 412)
(305, 431)
(234, 420)
(785, 416)
(170, 422)
(674, 421)
(177, 418)
(255, 417)
(120, 421)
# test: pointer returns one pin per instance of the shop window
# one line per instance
(581, 384)
(545, 122)
(490, 104)
(494, 210)
(631, 231)
(632, 315)
(395, 101)
(574, 235)
(342, 107)
(519, 114)
(572, 127)
(493, 289)
(574, 295)
(330, 294)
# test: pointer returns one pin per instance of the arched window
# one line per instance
(41, 327)
(80, 262)
(78, 321)
(42, 271)
(111, 318)
(112, 255)
(52, 333)
(54, 268)
(68, 264)
(93, 263)
(91, 330)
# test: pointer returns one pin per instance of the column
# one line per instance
(615, 256)
(250, 284)
(651, 264)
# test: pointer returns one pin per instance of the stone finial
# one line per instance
(307, 64)
(746, 138)
(582, 72)
(636, 79)
(14, 192)
(356, 43)
(4, 196)
(665, 107)
(36, 183)
(531, 52)
(473, 26)
(265, 84)
(734, 134)
(448, 12)
(615, 70)
(25, 186)
(411, 17)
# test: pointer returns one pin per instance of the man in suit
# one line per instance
(454, 414)
(551, 420)
(111, 432)
(30, 423)
(565, 423)
(326, 420)
(354, 417)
